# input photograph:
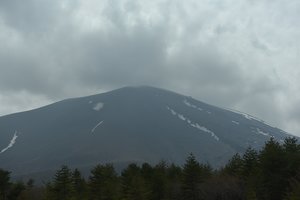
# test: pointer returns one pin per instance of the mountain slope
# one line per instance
(131, 124)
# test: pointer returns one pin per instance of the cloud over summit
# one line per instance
(242, 55)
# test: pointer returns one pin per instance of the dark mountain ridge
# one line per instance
(131, 124)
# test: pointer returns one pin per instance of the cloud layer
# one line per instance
(241, 55)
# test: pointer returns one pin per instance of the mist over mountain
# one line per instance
(131, 124)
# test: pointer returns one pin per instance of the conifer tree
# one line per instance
(294, 192)
(292, 153)
(174, 177)
(16, 190)
(4, 183)
(191, 179)
(159, 181)
(103, 183)
(249, 172)
(78, 186)
(134, 186)
(249, 162)
(147, 171)
(62, 184)
(28, 192)
(272, 178)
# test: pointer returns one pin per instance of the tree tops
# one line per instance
(273, 173)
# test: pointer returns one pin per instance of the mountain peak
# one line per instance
(145, 88)
(130, 124)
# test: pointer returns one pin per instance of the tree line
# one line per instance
(272, 173)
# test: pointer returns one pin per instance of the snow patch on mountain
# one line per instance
(11, 143)
(186, 102)
(98, 106)
(250, 117)
(235, 122)
(245, 115)
(193, 124)
(259, 131)
(202, 128)
(173, 112)
(262, 132)
(181, 117)
(93, 129)
(189, 104)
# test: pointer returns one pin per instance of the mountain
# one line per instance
(131, 124)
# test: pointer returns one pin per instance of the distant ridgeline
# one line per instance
(127, 125)
(273, 173)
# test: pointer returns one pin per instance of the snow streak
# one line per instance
(235, 122)
(11, 144)
(195, 125)
(192, 105)
(245, 115)
(92, 131)
(262, 133)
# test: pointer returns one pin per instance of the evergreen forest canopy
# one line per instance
(273, 173)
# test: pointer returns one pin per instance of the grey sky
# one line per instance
(235, 54)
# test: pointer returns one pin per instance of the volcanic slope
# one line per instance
(131, 124)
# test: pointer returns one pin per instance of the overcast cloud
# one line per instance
(242, 55)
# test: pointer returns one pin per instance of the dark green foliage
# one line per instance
(292, 151)
(193, 175)
(294, 193)
(249, 172)
(159, 181)
(272, 179)
(191, 179)
(224, 188)
(79, 187)
(61, 188)
(273, 173)
(134, 185)
(103, 183)
(174, 178)
(4, 184)
(234, 166)
(31, 192)
(30, 184)
(249, 163)
(16, 191)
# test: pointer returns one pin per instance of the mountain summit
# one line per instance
(131, 124)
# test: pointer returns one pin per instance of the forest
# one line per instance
(272, 173)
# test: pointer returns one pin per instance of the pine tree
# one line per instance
(292, 153)
(78, 186)
(249, 162)
(147, 171)
(103, 183)
(272, 178)
(16, 190)
(294, 190)
(174, 177)
(234, 166)
(159, 181)
(4, 184)
(134, 186)
(191, 179)
(249, 173)
(62, 184)
(27, 193)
